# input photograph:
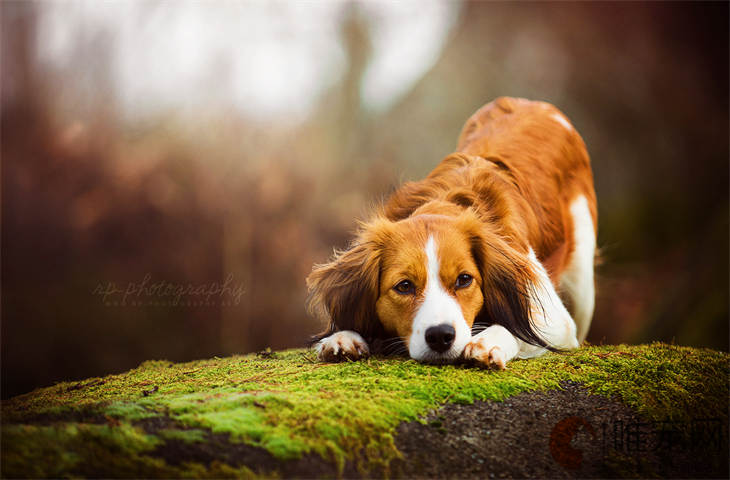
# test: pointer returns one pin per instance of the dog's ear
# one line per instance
(508, 282)
(344, 291)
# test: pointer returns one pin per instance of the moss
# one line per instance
(69, 449)
(129, 411)
(289, 405)
(191, 435)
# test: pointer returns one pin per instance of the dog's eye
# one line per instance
(405, 287)
(463, 280)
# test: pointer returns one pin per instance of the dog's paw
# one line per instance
(485, 353)
(341, 346)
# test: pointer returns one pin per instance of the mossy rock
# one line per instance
(283, 414)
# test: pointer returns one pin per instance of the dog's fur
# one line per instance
(500, 237)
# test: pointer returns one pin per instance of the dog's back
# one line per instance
(534, 143)
(533, 140)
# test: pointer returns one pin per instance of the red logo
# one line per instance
(561, 437)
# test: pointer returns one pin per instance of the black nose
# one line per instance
(440, 337)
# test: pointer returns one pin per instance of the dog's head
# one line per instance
(425, 279)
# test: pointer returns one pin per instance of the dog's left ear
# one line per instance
(508, 281)
(344, 291)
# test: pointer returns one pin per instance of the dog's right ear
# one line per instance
(344, 291)
(508, 281)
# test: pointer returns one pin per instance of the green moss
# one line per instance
(129, 411)
(289, 405)
(71, 449)
(190, 435)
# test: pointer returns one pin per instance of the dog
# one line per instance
(487, 259)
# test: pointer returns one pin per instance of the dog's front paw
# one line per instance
(493, 347)
(341, 346)
(485, 353)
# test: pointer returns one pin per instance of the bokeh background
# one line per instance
(163, 149)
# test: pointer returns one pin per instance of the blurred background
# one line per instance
(172, 170)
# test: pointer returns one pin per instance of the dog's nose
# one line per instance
(440, 337)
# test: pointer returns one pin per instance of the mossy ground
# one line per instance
(290, 405)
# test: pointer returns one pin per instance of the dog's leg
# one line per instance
(342, 345)
(577, 281)
(496, 346)
(550, 319)
(493, 347)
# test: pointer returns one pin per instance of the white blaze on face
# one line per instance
(438, 308)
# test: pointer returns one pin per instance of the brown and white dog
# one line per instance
(498, 240)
